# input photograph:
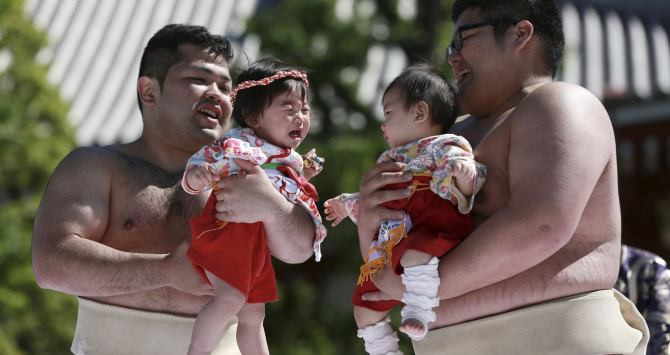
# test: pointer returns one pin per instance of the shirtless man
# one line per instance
(535, 276)
(113, 228)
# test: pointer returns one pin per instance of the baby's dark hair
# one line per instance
(162, 50)
(423, 82)
(250, 102)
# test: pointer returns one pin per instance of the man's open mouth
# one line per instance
(210, 111)
(462, 74)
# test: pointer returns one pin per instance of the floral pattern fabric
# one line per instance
(433, 156)
(645, 279)
(242, 143)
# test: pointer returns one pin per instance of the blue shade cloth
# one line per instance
(645, 279)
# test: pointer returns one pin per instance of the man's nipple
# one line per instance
(129, 224)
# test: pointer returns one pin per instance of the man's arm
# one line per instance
(67, 253)
(561, 140)
(250, 197)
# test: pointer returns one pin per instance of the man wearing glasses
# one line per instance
(536, 275)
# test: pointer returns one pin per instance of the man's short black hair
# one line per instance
(162, 50)
(250, 103)
(423, 82)
(543, 14)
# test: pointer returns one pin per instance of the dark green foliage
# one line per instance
(34, 137)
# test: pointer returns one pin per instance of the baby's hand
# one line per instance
(200, 177)
(464, 171)
(313, 164)
(335, 210)
(309, 173)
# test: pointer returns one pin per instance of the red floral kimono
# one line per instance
(437, 214)
(238, 253)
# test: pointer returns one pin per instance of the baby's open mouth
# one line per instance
(295, 134)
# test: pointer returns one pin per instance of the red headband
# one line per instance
(294, 74)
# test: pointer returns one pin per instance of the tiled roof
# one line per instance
(613, 48)
(94, 53)
(618, 47)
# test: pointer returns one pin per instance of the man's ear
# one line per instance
(523, 32)
(421, 111)
(148, 90)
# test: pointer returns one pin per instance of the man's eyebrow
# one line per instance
(202, 68)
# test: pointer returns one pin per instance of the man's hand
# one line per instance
(373, 195)
(181, 275)
(249, 197)
(313, 164)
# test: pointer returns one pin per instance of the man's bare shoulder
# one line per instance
(92, 158)
(77, 196)
(562, 101)
(86, 164)
(560, 95)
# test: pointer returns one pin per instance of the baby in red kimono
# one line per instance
(419, 106)
(270, 103)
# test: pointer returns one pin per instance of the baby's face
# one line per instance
(285, 122)
(399, 126)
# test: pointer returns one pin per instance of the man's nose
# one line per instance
(214, 93)
(453, 57)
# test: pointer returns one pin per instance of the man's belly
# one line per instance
(577, 268)
(165, 300)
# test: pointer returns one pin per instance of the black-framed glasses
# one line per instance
(457, 42)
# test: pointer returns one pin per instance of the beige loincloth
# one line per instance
(104, 329)
(600, 322)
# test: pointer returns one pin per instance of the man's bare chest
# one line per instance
(149, 211)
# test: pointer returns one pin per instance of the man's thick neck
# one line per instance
(513, 99)
(161, 154)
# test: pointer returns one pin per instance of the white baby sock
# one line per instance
(421, 284)
(380, 339)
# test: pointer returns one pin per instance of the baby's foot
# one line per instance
(413, 328)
